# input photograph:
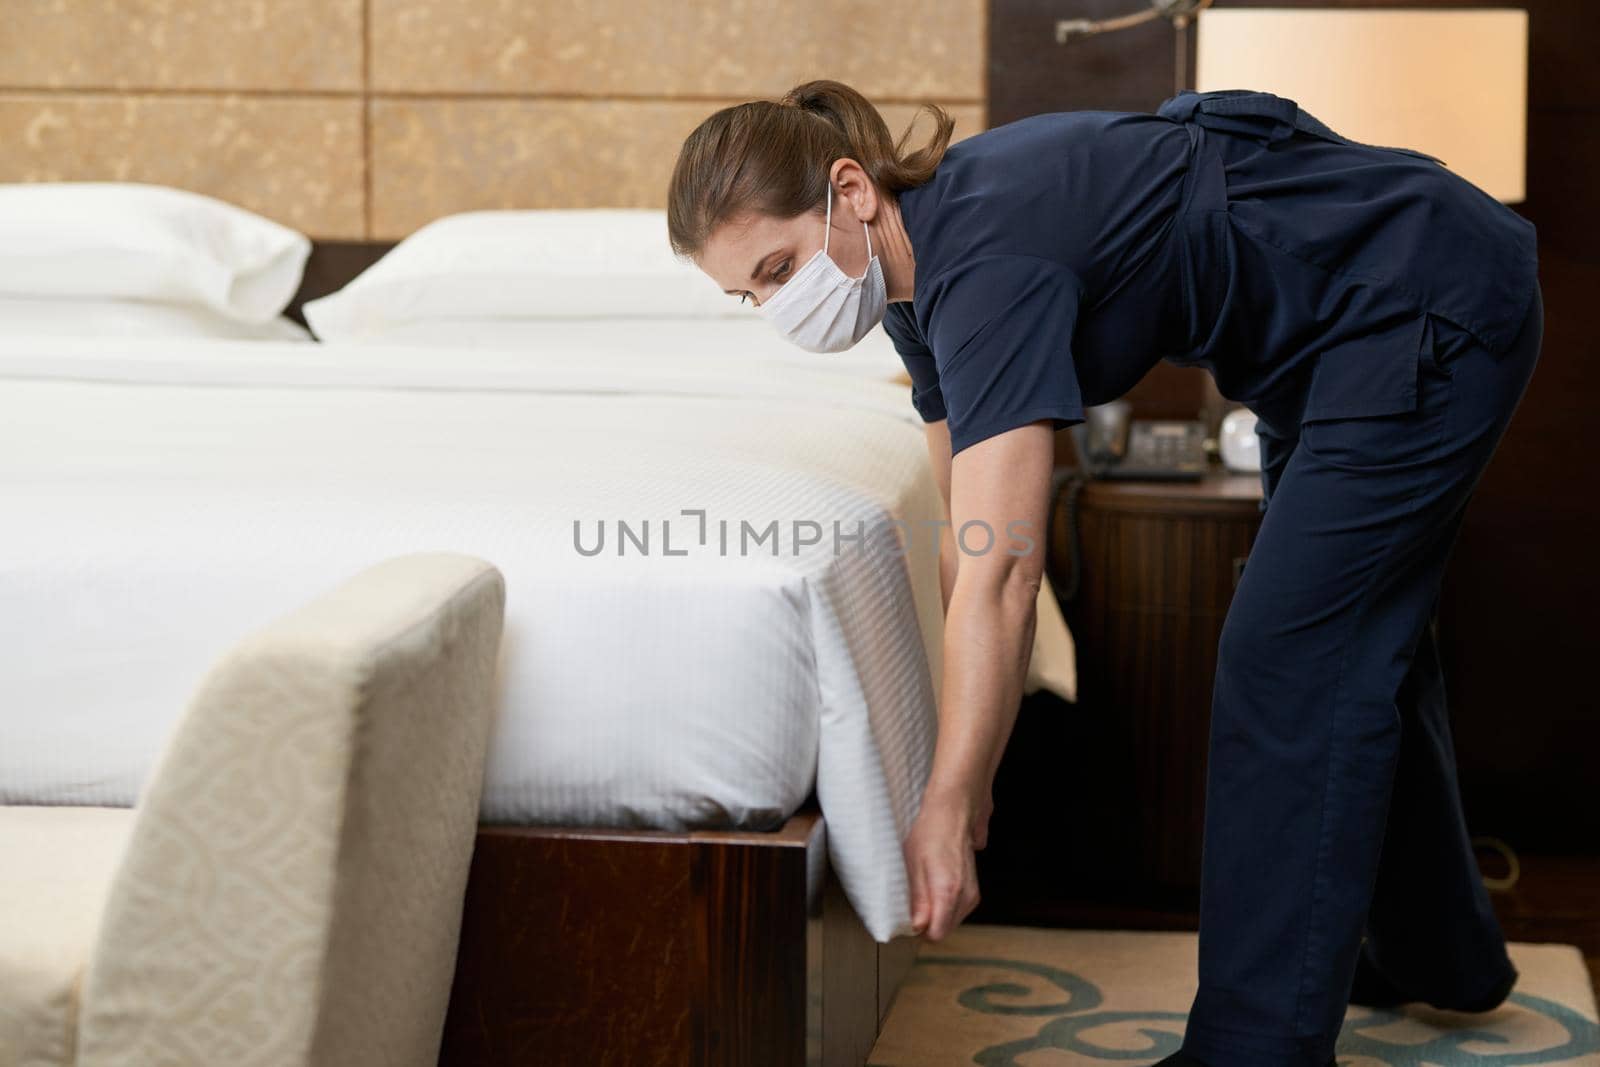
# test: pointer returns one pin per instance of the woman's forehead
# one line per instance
(753, 228)
(737, 245)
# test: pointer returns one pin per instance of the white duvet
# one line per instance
(161, 499)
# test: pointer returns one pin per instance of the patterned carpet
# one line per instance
(1000, 996)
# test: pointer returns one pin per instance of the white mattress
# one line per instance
(164, 498)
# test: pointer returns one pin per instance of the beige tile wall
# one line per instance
(367, 118)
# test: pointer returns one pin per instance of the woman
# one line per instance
(1380, 315)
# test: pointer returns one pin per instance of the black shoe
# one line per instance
(1371, 989)
(1490, 1000)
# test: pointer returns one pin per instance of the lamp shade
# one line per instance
(1449, 82)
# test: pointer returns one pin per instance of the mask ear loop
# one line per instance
(827, 232)
(827, 227)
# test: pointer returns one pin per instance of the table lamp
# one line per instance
(1451, 82)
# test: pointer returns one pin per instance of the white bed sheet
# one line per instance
(744, 338)
(164, 498)
(749, 342)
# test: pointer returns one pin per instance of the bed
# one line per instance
(704, 760)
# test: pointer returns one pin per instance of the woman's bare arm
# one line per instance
(999, 491)
(1001, 484)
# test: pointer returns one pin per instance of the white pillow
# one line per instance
(580, 263)
(150, 242)
(65, 316)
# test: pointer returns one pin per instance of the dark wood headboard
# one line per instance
(331, 267)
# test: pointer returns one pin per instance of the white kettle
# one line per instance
(1238, 443)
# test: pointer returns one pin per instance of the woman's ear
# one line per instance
(853, 181)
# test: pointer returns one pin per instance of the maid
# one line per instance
(1380, 315)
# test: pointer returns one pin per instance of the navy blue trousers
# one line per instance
(1333, 814)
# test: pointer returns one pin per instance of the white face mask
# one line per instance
(823, 309)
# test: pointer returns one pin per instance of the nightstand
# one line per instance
(1159, 561)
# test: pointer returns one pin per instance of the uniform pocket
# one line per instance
(1374, 374)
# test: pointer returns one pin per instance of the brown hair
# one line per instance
(772, 157)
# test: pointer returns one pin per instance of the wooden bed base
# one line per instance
(650, 948)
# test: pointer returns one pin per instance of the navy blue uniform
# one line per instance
(1381, 316)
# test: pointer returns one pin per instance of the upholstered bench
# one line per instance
(288, 889)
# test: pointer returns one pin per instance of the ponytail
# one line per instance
(867, 134)
(772, 158)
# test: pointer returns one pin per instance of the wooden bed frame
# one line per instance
(647, 947)
(639, 948)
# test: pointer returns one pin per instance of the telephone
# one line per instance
(1111, 445)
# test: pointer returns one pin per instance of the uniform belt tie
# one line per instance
(1257, 114)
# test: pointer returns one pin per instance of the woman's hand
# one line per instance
(941, 865)
(1001, 483)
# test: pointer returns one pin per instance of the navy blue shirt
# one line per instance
(1061, 256)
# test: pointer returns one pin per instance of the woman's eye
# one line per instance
(783, 268)
(743, 295)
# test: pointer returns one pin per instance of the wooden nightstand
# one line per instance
(1098, 804)
(1159, 565)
